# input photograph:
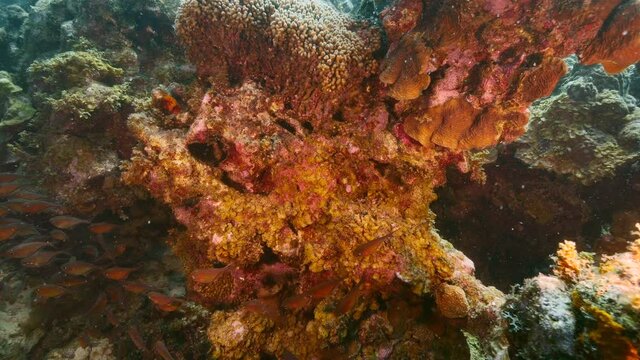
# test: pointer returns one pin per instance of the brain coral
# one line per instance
(305, 50)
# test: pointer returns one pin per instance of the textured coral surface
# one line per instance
(288, 208)
(474, 66)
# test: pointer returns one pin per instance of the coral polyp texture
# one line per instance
(307, 51)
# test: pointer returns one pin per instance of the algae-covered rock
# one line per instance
(586, 310)
(15, 109)
(91, 108)
(72, 69)
(7, 87)
(541, 321)
(585, 130)
(16, 336)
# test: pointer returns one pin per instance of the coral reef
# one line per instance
(15, 110)
(327, 53)
(15, 311)
(541, 320)
(585, 311)
(472, 68)
(587, 129)
(259, 191)
(93, 61)
(299, 163)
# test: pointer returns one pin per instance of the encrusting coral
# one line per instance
(288, 207)
(487, 61)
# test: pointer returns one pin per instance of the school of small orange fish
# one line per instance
(70, 253)
(76, 252)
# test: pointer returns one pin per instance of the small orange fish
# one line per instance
(78, 268)
(66, 222)
(8, 231)
(136, 338)
(115, 294)
(120, 249)
(165, 102)
(99, 305)
(370, 247)
(323, 289)
(10, 221)
(264, 307)
(26, 195)
(135, 287)
(161, 349)
(72, 281)
(23, 206)
(8, 177)
(296, 302)
(84, 340)
(205, 276)
(8, 188)
(3, 211)
(58, 235)
(49, 291)
(91, 251)
(27, 230)
(102, 228)
(164, 302)
(26, 249)
(110, 251)
(118, 273)
(40, 259)
(111, 318)
(36, 238)
(349, 301)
